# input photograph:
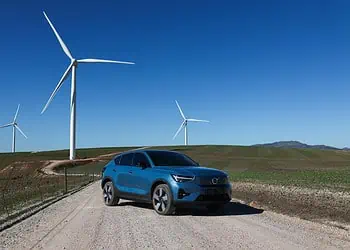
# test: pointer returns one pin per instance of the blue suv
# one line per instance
(167, 179)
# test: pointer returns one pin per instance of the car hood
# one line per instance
(193, 171)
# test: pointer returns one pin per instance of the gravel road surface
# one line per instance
(82, 221)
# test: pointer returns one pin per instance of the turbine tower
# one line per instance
(72, 68)
(15, 126)
(185, 123)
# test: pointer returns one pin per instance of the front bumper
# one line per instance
(189, 193)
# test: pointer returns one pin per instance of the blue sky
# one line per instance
(260, 71)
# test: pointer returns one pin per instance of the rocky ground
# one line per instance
(326, 206)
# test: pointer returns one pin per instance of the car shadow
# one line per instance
(232, 208)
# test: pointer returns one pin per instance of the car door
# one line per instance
(123, 174)
(141, 175)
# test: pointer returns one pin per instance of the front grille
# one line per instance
(220, 197)
(207, 180)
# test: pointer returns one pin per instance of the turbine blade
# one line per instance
(7, 125)
(21, 131)
(64, 47)
(196, 120)
(14, 119)
(58, 86)
(101, 61)
(178, 131)
(182, 114)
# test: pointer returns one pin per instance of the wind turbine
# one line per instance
(72, 68)
(185, 123)
(15, 126)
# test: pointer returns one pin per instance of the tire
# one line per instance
(215, 208)
(109, 194)
(162, 200)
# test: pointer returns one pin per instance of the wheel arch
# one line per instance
(155, 184)
(105, 180)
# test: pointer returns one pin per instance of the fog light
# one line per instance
(182, 193)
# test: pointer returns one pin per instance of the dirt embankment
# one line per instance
(50, 167)
(312, 204)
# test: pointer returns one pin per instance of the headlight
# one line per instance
(227, 179)
(182, 178)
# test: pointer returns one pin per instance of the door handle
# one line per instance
(130, 171)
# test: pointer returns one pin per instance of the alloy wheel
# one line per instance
(107, 193)
(160, 199)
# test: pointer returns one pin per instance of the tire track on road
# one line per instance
(77, 210)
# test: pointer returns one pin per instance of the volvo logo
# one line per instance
(215, 180)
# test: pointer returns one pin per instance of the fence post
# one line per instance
(65, 180)
(5, 203)
(40, 184)
(58, 185)
(25, 189)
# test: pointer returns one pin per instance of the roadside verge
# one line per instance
(31, 210)
(325, 206)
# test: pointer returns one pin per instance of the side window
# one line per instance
(140, 159)
(126, 160)
(117, 160)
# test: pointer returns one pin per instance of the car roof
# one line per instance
(145, 151)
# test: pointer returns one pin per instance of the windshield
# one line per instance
(163, 158)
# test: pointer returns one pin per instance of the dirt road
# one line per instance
(82, 221)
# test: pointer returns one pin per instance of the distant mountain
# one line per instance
(296, 144)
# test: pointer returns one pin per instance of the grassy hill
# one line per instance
(288, 166)
(306, 167)
(295, 144)
(224, 157)
(8, 158)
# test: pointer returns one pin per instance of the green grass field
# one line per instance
(92, 168)
(302, 167)
(299, 167)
